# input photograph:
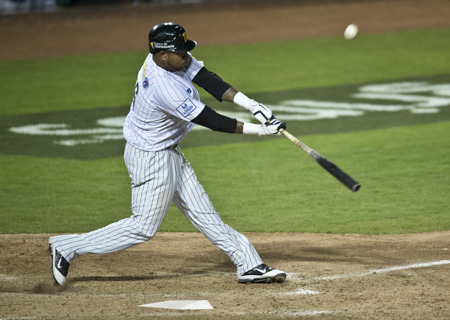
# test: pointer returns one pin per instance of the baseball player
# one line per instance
(166, 106)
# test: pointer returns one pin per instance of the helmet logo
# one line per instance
(184, 36)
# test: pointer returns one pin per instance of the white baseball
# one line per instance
(351, 32)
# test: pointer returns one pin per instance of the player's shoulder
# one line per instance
(195, 64)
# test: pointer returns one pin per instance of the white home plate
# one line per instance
(181, 305)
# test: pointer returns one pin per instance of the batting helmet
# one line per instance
(169, 36)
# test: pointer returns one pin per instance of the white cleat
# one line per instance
(60, 266)
(262, 274)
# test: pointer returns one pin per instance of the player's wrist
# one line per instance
(242, 100)
(254, 129)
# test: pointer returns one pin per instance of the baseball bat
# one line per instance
(333, 169)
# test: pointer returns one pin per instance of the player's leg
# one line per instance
(153, 178)
(193, 201)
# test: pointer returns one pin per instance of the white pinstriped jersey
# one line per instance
(163, 106)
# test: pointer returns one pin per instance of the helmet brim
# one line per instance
(185, 47)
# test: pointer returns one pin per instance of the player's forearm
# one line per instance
(239, 127)
(229, 94)
(215, 121)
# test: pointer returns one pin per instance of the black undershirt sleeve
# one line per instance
(215, 121)
(211, 82)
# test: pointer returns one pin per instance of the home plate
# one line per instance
(181, 305)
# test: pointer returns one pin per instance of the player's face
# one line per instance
(176, 60)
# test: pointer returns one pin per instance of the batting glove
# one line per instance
(274, 126)
(262, 113)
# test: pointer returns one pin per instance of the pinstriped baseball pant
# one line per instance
(158, 178)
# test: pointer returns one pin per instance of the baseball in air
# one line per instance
(351, 32)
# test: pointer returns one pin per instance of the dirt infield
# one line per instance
(329, 276)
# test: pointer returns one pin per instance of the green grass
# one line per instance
(68, 83)
(42, 194)
(331, 61)
(270, 186)
(93, 81)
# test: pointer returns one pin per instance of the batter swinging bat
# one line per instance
(343, 177)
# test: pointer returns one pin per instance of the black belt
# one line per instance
(172, 146)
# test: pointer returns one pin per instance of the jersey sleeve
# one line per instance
(194, 67)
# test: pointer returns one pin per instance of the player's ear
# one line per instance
(163, 55)
(160, 59)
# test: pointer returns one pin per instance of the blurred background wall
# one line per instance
(27, 6)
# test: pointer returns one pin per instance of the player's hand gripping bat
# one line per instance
(343, 177)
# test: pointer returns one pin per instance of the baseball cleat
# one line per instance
(60, 266)
(262, 274)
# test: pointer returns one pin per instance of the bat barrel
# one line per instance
(339, 174)
(334, 170)
(356, 187)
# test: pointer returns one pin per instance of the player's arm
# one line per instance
(261, 112)
(217, 122)
(212, 83)
(221, 90)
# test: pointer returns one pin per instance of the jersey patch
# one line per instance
(186, 108)
(145, 83)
